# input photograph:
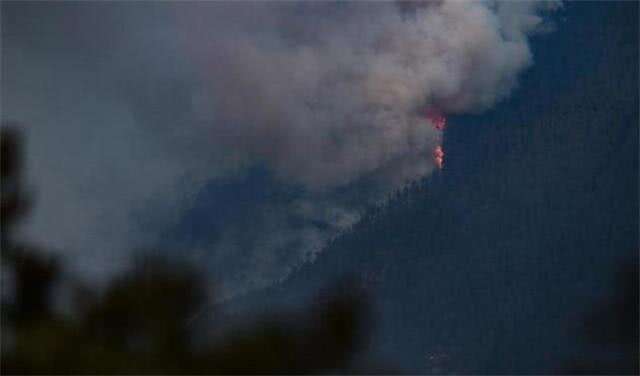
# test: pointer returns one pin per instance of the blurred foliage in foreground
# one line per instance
(614, 326)
(142, 321)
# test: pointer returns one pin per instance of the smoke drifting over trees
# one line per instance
(324, 96)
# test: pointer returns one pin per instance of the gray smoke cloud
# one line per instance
(133, 107)
(327, 102)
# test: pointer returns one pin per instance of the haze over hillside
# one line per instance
(493, 264)
(428, 187)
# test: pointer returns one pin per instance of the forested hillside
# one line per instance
(495, 263)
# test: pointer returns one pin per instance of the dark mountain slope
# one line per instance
(491, 265)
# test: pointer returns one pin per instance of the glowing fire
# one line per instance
(439, 123)
(438, 156)
(437, 119)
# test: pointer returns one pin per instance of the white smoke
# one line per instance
(325, 95)
(329, 102)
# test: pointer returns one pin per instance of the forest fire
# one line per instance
(437, 119)
(439, 123)
(438, 156)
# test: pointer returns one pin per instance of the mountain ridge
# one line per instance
(490, 265)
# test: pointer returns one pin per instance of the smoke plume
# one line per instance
(326, 102)
(134, 107)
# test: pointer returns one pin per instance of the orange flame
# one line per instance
(439, 122)
(437, 119)
(438, 156)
